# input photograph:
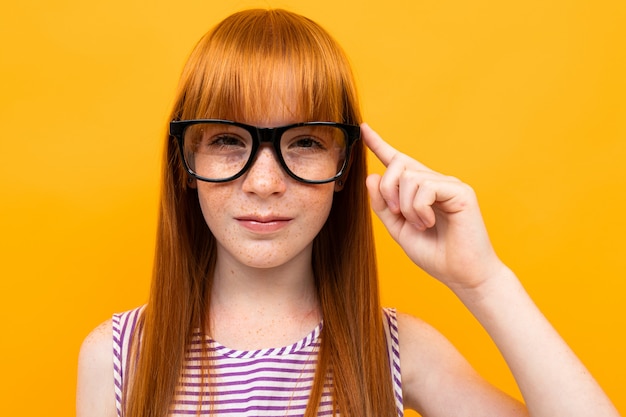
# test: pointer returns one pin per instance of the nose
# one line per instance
(265, 177)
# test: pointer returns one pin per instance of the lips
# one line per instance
(263, 224)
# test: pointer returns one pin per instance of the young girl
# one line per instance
(265, 299)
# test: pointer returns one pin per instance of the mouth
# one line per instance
(263, 224)
(263, 219)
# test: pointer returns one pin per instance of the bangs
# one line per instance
(253, 65)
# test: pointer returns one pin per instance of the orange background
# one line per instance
(523, 100)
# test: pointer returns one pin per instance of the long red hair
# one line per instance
(245, 59)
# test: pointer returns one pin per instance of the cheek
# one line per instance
(212, 201)
(326, 203)
(318, 205)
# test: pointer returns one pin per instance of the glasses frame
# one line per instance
(261, 135)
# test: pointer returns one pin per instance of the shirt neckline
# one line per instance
(311, 339)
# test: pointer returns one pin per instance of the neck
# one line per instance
(290, 283)
(271, 306)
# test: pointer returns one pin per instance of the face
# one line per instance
(265, 218)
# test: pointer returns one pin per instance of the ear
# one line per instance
(192, 182)
(338, 185)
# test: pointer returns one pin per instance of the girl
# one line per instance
(265, 298)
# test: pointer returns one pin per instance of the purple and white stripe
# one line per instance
(393, 347)
(123, 328)
(266, 382)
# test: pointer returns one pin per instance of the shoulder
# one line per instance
(415, 334)
(422, 348)
(97, 349)
(437, 380)
(95, 394)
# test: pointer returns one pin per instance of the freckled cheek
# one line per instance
(317, 207)
(213, 204)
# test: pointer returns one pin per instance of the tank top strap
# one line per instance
(124, 325)
(390, 322)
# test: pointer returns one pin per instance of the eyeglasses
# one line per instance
(221, 150)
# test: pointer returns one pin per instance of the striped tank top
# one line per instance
(267, 382)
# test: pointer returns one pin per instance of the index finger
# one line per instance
(383, 151)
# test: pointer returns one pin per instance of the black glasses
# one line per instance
(221, 150)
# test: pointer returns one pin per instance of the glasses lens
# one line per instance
(315, 152)
(216, 151)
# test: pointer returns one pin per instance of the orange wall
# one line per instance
(524, 100)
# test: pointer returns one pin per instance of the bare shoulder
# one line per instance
(95, 393)
(103, 334)
(437, 380)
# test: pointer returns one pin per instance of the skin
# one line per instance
(436, 220)
(95, 395)
(263, 277)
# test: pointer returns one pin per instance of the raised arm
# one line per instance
(437, 221)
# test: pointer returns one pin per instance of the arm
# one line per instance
(551, 378)
(95, 394)
(437, 221)
(438, 381)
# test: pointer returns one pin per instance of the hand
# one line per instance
(435, 218)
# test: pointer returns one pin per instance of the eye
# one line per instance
(226, 140)
(307, 142)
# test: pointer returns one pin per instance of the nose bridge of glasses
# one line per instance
(271, 137)
(267, 134)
